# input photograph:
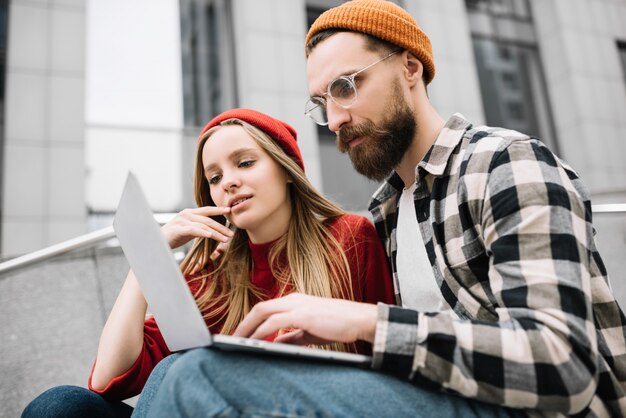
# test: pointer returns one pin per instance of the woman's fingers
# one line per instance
(222, 233)
(196, 223)
(205, 215)
(219, 250)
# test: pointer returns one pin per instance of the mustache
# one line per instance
(366, 129)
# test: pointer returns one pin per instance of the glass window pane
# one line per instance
(512, 88)
(207, 59)
(518, 9)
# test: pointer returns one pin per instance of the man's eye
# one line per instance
(214, 179)
(341, 89)
(246, 163)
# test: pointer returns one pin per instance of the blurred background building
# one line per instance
(93, 89)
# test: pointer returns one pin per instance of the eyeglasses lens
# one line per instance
(343, 91)
(316, 109)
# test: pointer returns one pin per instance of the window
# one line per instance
(208, 59)
(517, 9)
(509, 68)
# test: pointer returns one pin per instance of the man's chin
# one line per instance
(373, 173)
(375, 176)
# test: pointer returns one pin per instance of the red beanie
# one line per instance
(281, 132)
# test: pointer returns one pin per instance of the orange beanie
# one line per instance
(381, 19)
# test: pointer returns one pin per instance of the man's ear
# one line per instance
(413, 68)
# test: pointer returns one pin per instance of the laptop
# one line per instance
(169, 298)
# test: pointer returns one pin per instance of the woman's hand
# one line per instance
(196, 223)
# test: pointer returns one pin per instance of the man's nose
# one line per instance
(337, 116)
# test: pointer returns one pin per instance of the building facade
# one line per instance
(96, 88)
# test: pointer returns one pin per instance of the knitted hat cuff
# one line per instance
(282, 133)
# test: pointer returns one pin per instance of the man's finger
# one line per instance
(274, 323)
(260, 313)
(300, 337)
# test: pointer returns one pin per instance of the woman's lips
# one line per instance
(241, 205)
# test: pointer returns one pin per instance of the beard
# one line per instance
(385, 144)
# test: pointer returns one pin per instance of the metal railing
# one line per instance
(101, 235)
(609, 208)
(78, 243)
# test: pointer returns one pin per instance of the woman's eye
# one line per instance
(246, 163)
(214, 179)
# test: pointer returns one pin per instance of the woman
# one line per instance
(285, 238)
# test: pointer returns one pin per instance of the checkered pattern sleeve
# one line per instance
(539, 350)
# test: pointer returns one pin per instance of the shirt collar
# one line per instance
(434, 162)
(451, 134)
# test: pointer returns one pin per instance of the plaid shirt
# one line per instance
(507, 228)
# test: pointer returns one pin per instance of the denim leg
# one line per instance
(213, 383)
(74, 401)
(152, 385)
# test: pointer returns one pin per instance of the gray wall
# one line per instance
(51, 316)
(585, 81)
(43, 178)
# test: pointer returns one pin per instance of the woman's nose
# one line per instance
(230, 181)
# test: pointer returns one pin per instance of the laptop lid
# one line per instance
(159, 276)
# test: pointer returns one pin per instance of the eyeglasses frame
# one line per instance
(350, 78)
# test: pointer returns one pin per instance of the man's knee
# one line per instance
(192, 361)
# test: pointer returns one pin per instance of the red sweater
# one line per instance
(371, 282)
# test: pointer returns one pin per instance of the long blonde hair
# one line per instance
(307, 259)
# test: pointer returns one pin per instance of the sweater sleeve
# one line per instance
(370, 274)
(131, 382)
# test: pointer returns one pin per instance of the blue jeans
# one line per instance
(212, 383)
(74, 401)
(152, 386)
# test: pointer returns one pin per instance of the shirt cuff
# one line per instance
(400, 340)
(380, 336)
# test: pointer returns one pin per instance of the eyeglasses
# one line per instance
(342, 91)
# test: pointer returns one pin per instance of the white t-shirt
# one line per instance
(418, 287)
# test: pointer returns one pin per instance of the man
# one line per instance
(505, 297)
